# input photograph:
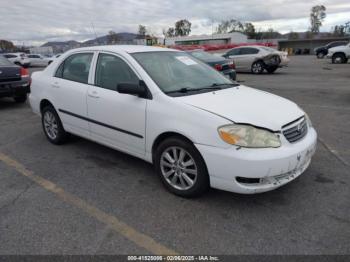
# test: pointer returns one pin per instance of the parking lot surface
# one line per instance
(83, 198)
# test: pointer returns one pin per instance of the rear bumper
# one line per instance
(12, 89)
(250, 171)
(230, 74)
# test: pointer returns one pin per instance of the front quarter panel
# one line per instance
(167, 114)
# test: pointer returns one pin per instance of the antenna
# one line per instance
(93, 29)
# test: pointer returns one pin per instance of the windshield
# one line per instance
(179, 71)
(268, 48)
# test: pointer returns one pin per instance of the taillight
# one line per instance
(232, 65)
(218, 67)
(24, 72)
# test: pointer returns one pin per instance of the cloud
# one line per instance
(38, 21)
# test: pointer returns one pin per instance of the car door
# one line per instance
(69, 89)
(235, 54)
(116, 119)
(248, 57)
(33, 60)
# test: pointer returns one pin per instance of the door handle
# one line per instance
(93, 94)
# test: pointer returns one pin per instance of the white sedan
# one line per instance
(197, 127)
(38, 60)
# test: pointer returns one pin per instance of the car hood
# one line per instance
(337, 48)
(247, 105)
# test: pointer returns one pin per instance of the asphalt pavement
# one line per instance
(84, 198)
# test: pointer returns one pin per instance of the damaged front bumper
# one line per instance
(250, 171)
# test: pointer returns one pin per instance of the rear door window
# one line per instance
(249, 51)
(76, 68)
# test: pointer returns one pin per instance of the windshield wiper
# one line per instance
(186, 90)
(224, 84)
(214, 86)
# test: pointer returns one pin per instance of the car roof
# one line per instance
(124, 48)
(250, 46)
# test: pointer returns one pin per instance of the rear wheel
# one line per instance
(320, 55)
(339, 58)
(52, 126)
(181, 168)
(257, 67)
(20, 99)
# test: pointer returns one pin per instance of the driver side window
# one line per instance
(235, 51)
(111, 71)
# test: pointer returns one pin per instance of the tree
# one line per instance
(170, 32)
(293, 35)
(7, 46)
(142, 30)
(112, 37)
(182, 27)
(317, 15)
(229, 26)
(249, 30)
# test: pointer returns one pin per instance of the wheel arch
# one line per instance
(43, 103)
(339, 53)
(163, 136)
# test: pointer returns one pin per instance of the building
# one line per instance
(307, 44)
(42, 50)
(230, 38)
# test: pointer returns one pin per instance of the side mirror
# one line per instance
(139, 90)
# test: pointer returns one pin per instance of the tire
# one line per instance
(271, 69)
(20, 99)
(257, 67)
(187, 177)
(320, 55)
(52, 126)
(338, 59)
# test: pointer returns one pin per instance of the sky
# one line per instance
(34, 22)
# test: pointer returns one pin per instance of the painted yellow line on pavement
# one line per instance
(114, 223)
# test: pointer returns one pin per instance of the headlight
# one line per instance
(308, 120)
(248, 136)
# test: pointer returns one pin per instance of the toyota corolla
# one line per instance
(198, 128)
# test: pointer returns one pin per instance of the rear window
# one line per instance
(4, 61)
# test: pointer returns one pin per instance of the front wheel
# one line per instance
(52, 126)
(181, 168)
(338, 59)
(271, 69)
(257, 67)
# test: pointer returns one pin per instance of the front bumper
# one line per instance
(16, 88)
(270, 167)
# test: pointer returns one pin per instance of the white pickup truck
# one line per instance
(339, 54)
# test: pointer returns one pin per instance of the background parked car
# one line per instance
(225, 66)
(256, 59)
(52, 58)
(339, 54)
(322, 51)
(18, 59)
(14, 81)
(38, 60)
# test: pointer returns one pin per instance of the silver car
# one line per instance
(256, 59)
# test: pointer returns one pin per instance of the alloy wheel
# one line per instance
(178, 168)
(51, 125)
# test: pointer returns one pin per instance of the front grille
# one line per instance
(296, 130)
